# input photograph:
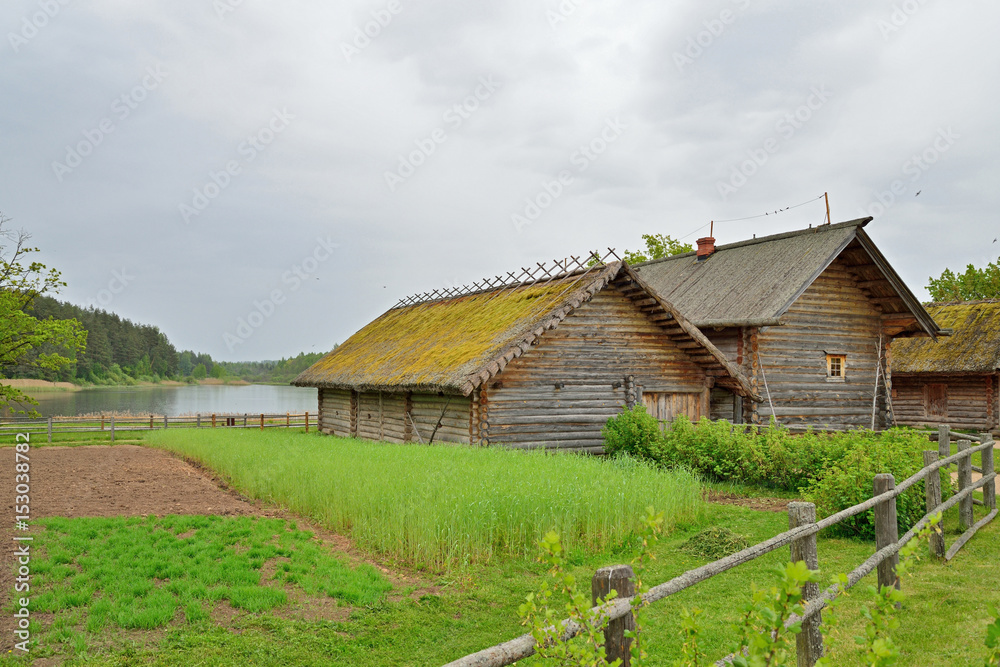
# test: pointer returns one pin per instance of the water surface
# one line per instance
(183, 400)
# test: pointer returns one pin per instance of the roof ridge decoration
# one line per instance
(527, 276)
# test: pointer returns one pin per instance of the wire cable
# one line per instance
(754, 217)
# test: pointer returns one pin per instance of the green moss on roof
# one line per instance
(974, 347)
(436, 344)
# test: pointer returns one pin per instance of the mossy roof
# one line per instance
(457, 344)
(973, 347)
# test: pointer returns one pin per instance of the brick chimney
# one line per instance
(706, 246)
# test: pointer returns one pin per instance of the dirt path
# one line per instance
(126, 480)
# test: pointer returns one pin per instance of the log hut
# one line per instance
(534, 364)
(953, 381)
(809, 317)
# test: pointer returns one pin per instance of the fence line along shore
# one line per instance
(117, 424)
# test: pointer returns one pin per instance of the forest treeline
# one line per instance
(119, 351)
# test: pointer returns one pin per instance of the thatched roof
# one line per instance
(754, 282)
(973, 347)
(457, 344)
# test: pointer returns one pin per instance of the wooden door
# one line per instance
(665, 406)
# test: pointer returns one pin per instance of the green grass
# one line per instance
(136, 573)
(942, 621)
(441, 507)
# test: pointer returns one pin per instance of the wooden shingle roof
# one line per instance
(973, 346)
(754, 282)
(458, 344)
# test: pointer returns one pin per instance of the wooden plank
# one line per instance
(886, 530)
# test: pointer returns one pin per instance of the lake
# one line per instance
(184, 400)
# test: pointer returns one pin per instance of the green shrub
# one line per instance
(634, 432)
(849, 482)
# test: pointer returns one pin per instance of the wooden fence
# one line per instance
(801, 538)
(119, 424)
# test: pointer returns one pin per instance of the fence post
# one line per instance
(965, 519)
(102, 422)
(886, 530)
(244, 420)
(615, 578)
(944, 441)
(809, 642)
(288, 421)
(197, 422)
(150, 422)
(112, 429)
(50, 429)
(213, 420)
(990, 488)
(164, 421)
(307, 422)
(262, 421)
(932, 494)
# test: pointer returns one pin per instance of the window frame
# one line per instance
(841, 362)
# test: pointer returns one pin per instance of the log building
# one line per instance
(808, 316)
(953, 381)
(535, 364)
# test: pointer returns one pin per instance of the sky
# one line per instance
(260, 179)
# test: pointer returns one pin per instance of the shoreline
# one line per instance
(32, 386)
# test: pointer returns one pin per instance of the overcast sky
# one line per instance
(300, 166)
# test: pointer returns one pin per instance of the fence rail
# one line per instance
(117, 424)
(801, 537)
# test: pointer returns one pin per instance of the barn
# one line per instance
(809, 316)
(533, 363)
(953, 381)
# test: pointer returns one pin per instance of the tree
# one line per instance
(972, 285)
(199, 372)
(658, 246)
(218, 372)
(48, 344)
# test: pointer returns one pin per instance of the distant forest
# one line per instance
(120, 352)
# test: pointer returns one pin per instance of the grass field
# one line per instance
(466, 605)
(443, 506)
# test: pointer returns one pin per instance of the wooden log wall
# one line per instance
(335, 412)
(832, 316)
(453, 411)
(968, 400)
(725, 404)
(595, 347)
(377, 415)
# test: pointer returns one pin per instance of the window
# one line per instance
(836, 367)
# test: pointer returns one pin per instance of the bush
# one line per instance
(833, 470)
(634, 432)
(849, 482)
